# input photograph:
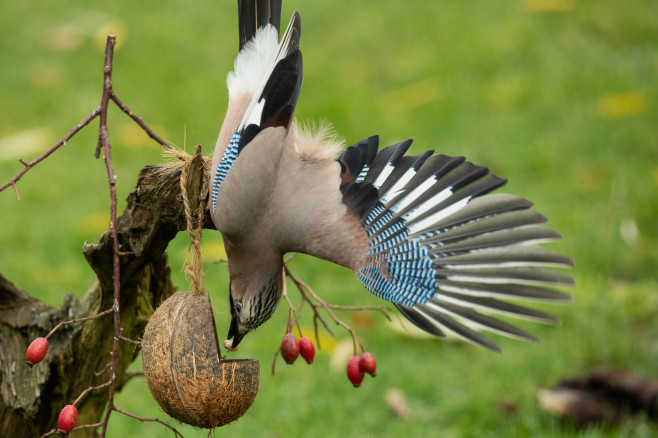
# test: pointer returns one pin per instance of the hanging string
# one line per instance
(194, 227)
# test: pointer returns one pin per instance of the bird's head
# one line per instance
(251, 307)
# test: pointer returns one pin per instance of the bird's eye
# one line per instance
(238, 306)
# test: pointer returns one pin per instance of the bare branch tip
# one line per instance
(18, 196)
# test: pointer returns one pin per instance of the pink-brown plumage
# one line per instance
(419, 231)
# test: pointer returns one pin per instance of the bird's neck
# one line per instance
(252, 271)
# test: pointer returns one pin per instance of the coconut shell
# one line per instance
(184, 369)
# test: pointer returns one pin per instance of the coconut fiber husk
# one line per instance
(184, 369)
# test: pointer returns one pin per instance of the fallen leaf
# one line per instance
(25, 144)
(341, 353)
(43, 75)
(363, 320)
(212, 251)
(412, 96)
(64, 37)
(114, 27)
(507, 407)
(327, 342)
(397, 403)
(94, 223)
(629, 231)
(131, 135)
(620, 105)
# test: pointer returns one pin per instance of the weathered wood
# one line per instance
(31, 398)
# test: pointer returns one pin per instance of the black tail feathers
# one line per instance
(253, 14)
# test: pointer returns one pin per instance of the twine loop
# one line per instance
(192, 186)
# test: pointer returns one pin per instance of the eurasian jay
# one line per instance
(419, 231)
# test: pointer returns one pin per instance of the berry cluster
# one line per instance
(291, 348)
(357, 366)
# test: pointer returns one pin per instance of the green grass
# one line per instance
(558, 96)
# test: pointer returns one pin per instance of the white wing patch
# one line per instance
(254, 62)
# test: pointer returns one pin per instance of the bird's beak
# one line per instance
(233, 332)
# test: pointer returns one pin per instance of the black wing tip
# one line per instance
(295, 27)
(568, 261)
(281, 91)
(356, 157)
(401, 149)
(419, 322)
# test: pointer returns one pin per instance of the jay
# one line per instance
(420, 231)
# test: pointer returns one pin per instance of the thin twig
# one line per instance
(131, 375)
(27, 166)
(316, 302)
(104, 142)
(293, 317)
(140, 122)
(276, 354)
(98, 373)
(62, 433)
(87, 426)
(91, 388)
(132, 341)
(73, 321)
(143, 419)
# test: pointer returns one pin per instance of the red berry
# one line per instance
(37, 350)
(67, 418)
(354, 372)
(306, 349)
(289, 348)
(368, 364)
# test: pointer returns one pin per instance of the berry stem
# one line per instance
(316, 302)
(73, 321)
(155, 420)
(293, 317)
(88, 390)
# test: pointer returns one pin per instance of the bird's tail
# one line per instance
(254, 14)
(445, 252)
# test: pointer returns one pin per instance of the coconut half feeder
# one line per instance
(184, 368)
(180, 351)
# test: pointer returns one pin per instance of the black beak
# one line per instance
(233, 328)
(233, 332)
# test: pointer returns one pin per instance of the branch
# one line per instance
(131, 267)
(140, 122)
(73, 321)
(308, 295)
(27, 166)
(143, 419)
(104, 141)
(103, 137)
(151, 219)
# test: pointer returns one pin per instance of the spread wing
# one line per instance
(447, 254)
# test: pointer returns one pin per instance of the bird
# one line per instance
(422, 232)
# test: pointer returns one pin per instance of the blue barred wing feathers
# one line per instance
(449, 255)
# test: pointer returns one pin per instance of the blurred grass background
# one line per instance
(559, 96)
